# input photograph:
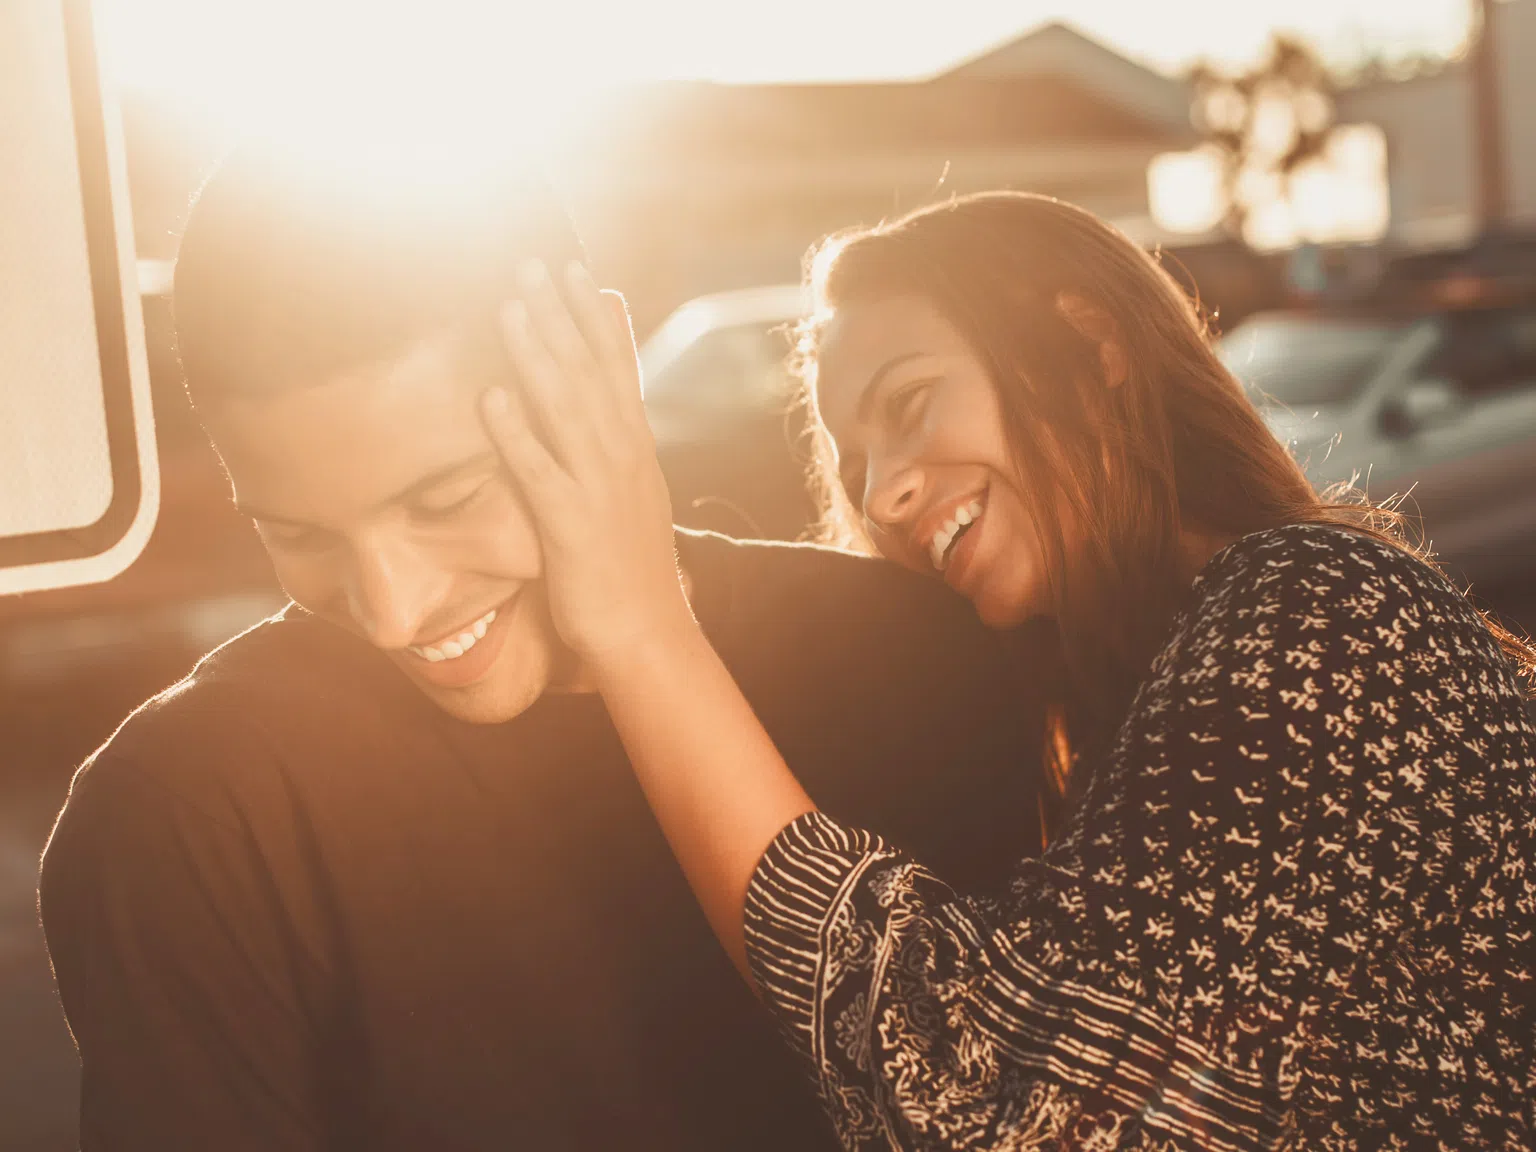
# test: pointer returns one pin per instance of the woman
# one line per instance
(1294, 902)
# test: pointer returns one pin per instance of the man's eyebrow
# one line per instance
(867, 397)
(412, 490)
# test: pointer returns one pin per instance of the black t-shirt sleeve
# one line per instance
(177, 973)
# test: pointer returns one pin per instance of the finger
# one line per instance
(550, 399)
(552, 320)
(541, 481)
(603, 321)
(631, 383)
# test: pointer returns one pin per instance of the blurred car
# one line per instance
(1437, 402)
(724, 407)
(1439, 405)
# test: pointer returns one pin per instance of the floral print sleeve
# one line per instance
(1294, 909)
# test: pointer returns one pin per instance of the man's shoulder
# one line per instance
(813, 581)
(229, 713)
(268, 664)
(803, 606)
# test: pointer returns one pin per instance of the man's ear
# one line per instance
(1097, 325)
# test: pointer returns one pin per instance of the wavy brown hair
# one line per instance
(1178, 444)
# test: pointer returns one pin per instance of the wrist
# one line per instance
(646, 653)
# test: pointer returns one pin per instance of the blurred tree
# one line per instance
(1492, 174)
(1262, 125)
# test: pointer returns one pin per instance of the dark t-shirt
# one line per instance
(292, 904)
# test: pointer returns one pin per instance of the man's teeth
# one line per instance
(458, 645)
(938, 547)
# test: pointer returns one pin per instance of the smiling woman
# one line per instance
(1274, 875)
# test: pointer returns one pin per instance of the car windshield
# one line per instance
(1301, 361)
(737, 368)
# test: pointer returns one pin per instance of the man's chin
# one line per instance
(486, 703)
(522, 671)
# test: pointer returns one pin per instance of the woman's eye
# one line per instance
(907, 406)
(445, 511)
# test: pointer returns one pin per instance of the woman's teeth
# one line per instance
(950, 530)
(454, 648)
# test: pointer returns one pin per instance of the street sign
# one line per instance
(79, 484)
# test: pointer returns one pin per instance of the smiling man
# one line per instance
(377, 873)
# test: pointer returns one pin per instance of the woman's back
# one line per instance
(1295, 902)
(1370, 777)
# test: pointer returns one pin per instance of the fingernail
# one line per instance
(532, 274)
(496, 402)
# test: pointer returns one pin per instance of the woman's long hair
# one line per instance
(1177, 444)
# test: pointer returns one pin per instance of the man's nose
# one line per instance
(892, 493)
(392, 591)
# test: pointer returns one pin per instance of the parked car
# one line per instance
(725, 410)
(1438, 402)
(1440, 406)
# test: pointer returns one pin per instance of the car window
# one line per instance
(744, 367)
(1304, 361)
(1487, 352)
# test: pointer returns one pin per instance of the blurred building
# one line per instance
(1429, 124)
(689, 188)
(696, 187)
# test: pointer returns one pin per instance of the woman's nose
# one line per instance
(892, 496)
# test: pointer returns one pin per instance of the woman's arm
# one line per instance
(576, 438)
(719, 788)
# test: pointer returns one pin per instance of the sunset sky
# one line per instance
(216, 46)
(535, 69)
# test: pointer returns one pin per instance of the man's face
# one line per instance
(387, 511)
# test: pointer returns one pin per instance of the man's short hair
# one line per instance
(296, 265)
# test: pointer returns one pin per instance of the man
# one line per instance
(338, 888)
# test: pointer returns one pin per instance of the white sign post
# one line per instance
(79, 483)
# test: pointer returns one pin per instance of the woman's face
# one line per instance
(922, 451)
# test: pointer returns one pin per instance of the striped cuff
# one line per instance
(802, 879)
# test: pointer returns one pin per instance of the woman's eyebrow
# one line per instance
(867, 397)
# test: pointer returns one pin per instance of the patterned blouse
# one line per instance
(1295, 908)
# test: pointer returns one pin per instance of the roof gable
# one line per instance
(1061, 51)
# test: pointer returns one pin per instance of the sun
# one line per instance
(482, 75)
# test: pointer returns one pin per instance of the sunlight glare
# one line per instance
(1184, 191)
(477, 72)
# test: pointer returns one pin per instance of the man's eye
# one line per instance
(296, 539)
(452, 507)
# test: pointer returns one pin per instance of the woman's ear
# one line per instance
(1095, 324)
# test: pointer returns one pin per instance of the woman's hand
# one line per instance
(574, 435)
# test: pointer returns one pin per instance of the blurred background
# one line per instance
(1348, 185)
